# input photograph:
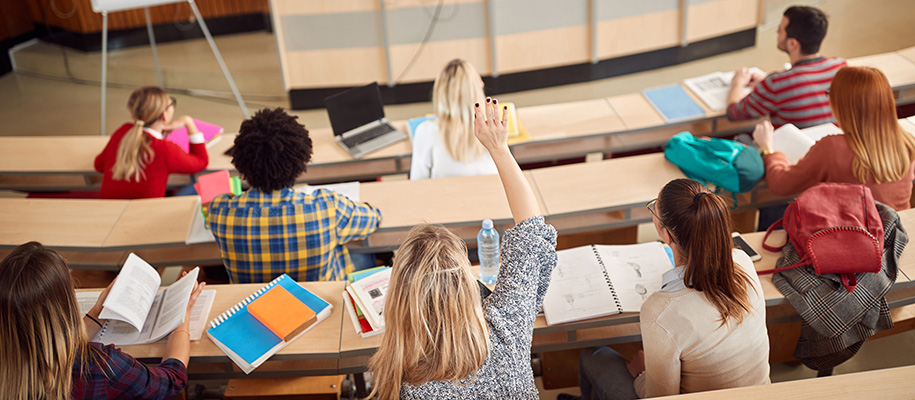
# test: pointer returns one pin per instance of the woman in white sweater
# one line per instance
(445, 146)
(706, 328)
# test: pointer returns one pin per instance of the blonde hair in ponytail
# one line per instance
(146, 104)
(456, 90)
(434, 324)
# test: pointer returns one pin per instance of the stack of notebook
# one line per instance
(266, 321)
(364, 300)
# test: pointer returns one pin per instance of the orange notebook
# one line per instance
(282, 313)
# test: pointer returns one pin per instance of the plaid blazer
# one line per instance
(123, 377)
(836, 322)
(262, 235)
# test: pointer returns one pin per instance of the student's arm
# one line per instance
(179, 341)
(492, 132)
(662, 363)
(354, 220)
(784, 179)
(759, 103)
(187, 163)
(131, 379)
(91, 317)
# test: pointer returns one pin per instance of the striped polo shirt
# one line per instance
(796, 96)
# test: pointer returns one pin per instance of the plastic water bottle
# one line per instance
(488, 252)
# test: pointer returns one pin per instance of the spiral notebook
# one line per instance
(246, 340)
(599, 280)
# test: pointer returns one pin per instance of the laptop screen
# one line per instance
(353, 108)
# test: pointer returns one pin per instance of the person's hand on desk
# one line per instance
(179, 340)
(762, 135)
(745, 77)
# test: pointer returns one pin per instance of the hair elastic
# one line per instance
(697, 197)
(138, 122)
(94, 320)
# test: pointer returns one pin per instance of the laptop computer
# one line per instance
(357, 118)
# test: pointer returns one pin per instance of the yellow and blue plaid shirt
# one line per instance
(262, 235)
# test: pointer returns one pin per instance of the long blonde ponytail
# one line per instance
(455, 91)
(146, 104)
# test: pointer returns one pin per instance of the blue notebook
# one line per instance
(414, 123)
(245, 339)
(673, 103)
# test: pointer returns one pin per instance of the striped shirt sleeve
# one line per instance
(759, 103)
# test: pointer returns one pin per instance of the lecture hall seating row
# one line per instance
(557, 132)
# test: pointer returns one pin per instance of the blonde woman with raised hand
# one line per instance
(445, 146)
(45, 351)
(137, 160)
(439, 341)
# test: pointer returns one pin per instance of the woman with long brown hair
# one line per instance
(45, 352)
(706, 328)
(440, 341)
(137, 160)
(873, 150)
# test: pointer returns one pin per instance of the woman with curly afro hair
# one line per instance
(272, 229)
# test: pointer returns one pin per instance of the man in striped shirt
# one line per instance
(797, 95)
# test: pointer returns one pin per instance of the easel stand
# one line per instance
(152, 42)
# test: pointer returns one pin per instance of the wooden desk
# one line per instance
(884, 384)
(899, 70)
(62, 224)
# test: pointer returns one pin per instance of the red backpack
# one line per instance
(835, 227)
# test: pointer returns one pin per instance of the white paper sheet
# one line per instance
(348, 189)
(133, 293)
(713, 88)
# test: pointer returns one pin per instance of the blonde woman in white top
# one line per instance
(706, 328)
(445, 146)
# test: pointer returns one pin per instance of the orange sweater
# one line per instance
(830, 160)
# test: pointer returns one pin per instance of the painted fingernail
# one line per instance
(505, 107)
(488, 99)
(476, 104)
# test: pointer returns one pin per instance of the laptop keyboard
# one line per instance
(365, 136)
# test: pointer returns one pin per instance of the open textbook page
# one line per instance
(198, 317)
(137, 311)
(598, 280)
(713, 88)
(795, 143)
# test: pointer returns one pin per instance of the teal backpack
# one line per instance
(730, 165)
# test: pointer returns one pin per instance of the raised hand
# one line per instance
(489, 129)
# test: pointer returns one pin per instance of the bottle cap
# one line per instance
(487, 224)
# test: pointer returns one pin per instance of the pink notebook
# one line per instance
(213, 184)
(179, 136)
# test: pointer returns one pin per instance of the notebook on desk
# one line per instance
(673, 103)
(249, 341)
(357, 118)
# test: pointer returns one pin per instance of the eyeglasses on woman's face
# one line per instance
(651, 206)
(174, 102)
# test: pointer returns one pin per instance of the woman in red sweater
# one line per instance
(137, 160)
(873, 150)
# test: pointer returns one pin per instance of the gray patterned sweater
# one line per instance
(528, 258)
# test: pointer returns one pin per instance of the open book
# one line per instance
(598, 280)
(795, 143)
(138, 311)
(713, 88)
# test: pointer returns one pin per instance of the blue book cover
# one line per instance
(246, 340)
(413, 123)
(673, 103)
